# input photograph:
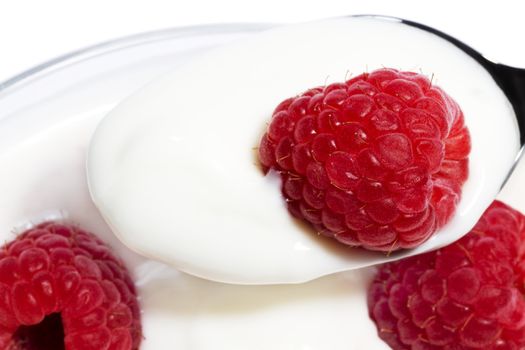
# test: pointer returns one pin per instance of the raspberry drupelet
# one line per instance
(377, 161)
(468, 295)
(62, 288)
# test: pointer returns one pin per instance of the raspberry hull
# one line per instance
(56, 281)
(468, 295)
(377, 161)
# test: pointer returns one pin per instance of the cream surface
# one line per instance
(173, 170)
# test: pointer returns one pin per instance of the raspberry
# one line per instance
(62, 288)
(377, 161)
(468, 295)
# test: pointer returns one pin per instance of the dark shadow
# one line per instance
(46, 335)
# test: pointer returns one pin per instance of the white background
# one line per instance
(32, 32)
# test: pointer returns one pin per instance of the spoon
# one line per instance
(173, 172)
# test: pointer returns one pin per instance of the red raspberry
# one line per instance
(62, 288)
(468, 295)
(377, 161)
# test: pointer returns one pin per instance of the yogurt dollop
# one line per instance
(174, 173)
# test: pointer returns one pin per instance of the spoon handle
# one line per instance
(511, 80)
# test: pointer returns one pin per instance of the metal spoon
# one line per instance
(490, 94)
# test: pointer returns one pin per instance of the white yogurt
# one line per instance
(43, 176)
(173, 170)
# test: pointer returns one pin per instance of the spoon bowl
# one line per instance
(177, 183)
